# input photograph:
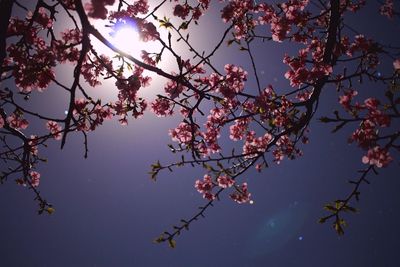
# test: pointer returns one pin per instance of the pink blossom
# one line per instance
(147, 58)
(241, 195)
(183, 133)
(33, 142)
(377, 156)
(162, 107)
(387, 9)
(55, 129)
(173, 89)
(232, 83)
(43, 19)
(196, 13)
(254, 145)
(258, 167)
(345, 99)
(181, 11)
(396, 64)
(35, 178)
(238, 130)
(209, 196)
(285, 147)
(138, 7)
(148, 32)
(17, 122)
(97, 8)
(379, 118)
(33, 70)
(225, 181)
(205, 187)
(365, 135)
(371, 103)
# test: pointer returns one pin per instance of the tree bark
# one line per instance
(5, 14)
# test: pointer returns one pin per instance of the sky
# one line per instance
(108, 211)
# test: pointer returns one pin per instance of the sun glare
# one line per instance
(126, 38)
(125, 35)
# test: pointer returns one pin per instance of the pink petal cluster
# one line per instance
(97, 8)
(255, 145)
(241, 195)
(35, 178)
(17, 122)
(162, 107)
(365, 135)
(377, 156)
(238, 130)
(55, 129)
(205, 187)
(387, 9)
(345, 100)
(225, 181)
(183, 133)
(33, 145)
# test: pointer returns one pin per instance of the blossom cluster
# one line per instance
(368, 132)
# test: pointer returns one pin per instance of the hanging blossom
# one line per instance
(205, 187)
(242, 194)
(377, 156)
(35, 178)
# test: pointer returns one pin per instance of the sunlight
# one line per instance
(126, 38)
(125, 35)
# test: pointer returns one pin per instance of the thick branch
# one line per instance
(5, 14)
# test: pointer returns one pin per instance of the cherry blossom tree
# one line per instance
(266, 125)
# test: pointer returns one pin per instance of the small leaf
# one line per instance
(153, 175)
(349, 208)
(183, 26)
(330, 208)
(50, 210)
(159, 239)
(338, 228)
(324, 119)
(171, 243)
(165, 23)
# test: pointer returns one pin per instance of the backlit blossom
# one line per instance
(161, 107)
(97, 8)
